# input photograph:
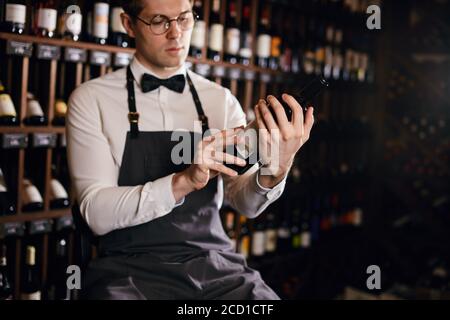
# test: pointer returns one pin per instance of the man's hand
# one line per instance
(287, 137)
(209, 160)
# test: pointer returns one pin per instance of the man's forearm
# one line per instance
(181, 186)
(271, 180)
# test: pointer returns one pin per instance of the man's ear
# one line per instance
(128, 24)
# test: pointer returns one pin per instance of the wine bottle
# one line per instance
(330, 34)
(8, 115)
(295, 230)
(244, 238)
(276, 41)
(15, 16)
(246, 42)
(5, 285)
(32, 199)
(270, 235)
(71, 20)
(100, 22)
(6, 203)
(60, 113)
(264, 40)
(248, 150)
(215, 44)
(258, 239)
(119, 36)
(284, 237)
(199, 31)
(46, 19)
(230, 226)
(232, 34)
(57, 287)
(58, 195)
(35, 116)
(309, 56)
(30, 284)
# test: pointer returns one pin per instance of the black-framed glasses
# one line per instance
(160, 24)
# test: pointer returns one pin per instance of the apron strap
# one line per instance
(198, 105)
(133, 115)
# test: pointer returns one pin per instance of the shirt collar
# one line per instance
(138, 69)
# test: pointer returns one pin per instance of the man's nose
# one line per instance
(174, 31)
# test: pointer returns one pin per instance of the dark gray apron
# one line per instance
(183, 255)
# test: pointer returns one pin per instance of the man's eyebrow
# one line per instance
(165, 16)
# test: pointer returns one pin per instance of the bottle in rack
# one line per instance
(30, 284)
(46, 18)
(35, 115)
(60, 113)
(230, 218)
(70, 20)
(232, 39)
(270, 235)
(276, 41)
(264, 40)
(119, 36)
(199, 31)
(32, 199)
(258, 239)
(57, 287)
(100, 22)
(244, 238)
(6, 292)
(59, 197)
(15, 17)
(8, 115)
(215, 44)
(7, 205)
(246, 42)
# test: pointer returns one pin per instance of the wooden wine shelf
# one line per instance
(33, 216)
(25, 129)
(115, 49)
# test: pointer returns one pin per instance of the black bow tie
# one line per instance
(150, 83)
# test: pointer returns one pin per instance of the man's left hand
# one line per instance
(283, 137)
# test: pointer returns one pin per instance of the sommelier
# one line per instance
(157, 221)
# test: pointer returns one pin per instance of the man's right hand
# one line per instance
(209, 160)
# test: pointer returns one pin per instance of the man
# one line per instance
(160, 235)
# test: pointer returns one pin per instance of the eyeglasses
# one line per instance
(160, 24)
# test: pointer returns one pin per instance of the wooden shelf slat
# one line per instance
(33, 216)
(29, 129)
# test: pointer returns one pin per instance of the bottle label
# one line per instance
(7, 106)
(216, 37)
(31, 296)
(246, 45)
(58, 191)
(233, 41)
(258, 243)
(116, 22)
(100, 28)
(305, 239)
(244, 247)
(320, 54)
(275, 47)
(16, 13)
(357, 217)
(198, 35)
(330, 34)
(271, 240)
(47, 19)
(263, 45)
(283, 233)
(32, 195)
(338, 37)
(34, 109)
(73, 23)
(216, 6)
(329, 56)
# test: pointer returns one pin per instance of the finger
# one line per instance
(223, 169)
(297, 111)
(282, 120)
(228, 158)
(259, 119)
(267, 116)
(309, 122)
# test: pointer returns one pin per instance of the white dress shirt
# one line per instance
(97, 124)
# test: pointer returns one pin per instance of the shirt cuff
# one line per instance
(162, 193)
(270, 193)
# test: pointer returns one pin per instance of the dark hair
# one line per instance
(133, 7)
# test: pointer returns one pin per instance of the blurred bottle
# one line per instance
(119, 36)
(8, 115)
(15, 16)
(215, 44)
(32, 199)
(6, 292)
(70, 20)
(30, 282)
(46, 19)
(244, 238)
(264, 40)
(198, 38)
(246, 41)
(35, 115)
